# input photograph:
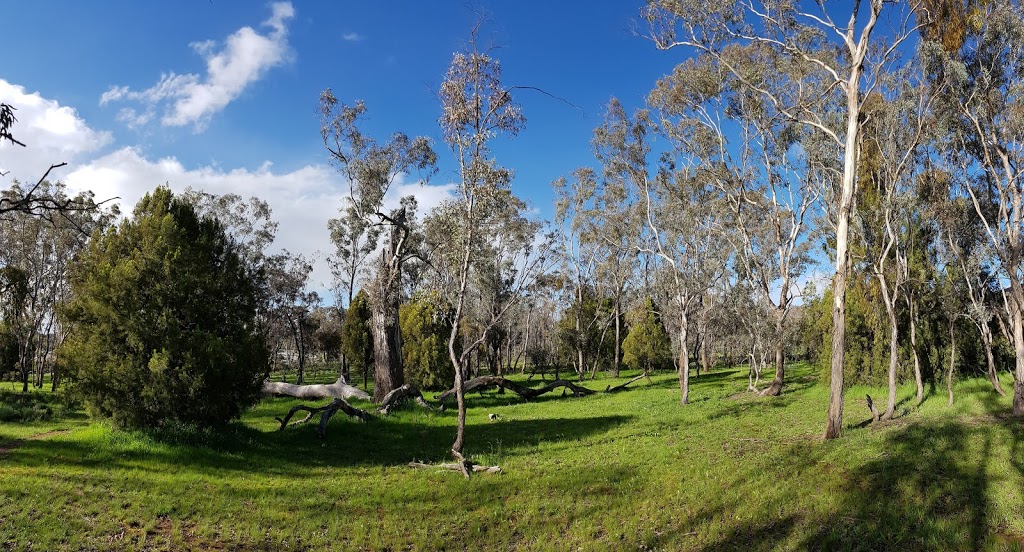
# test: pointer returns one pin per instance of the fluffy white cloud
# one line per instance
(302, 200)
(352, 37)
(52, 133)
(192, 99)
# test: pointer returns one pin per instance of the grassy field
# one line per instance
(629, 471)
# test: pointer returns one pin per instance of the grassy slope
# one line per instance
(627, 471)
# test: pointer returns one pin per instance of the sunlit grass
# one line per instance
(631, 470)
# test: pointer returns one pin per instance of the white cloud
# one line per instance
(352, 37)
(193, 99)
(52, 133)
(302, 200)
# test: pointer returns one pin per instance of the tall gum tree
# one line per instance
(476, 108)
(841, 62)
(984, 102)
(677, 216)
(371, 170)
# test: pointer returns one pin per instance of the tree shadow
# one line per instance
(927, 491)
(392, 441)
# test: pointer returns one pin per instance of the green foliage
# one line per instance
(356, 339)
(647, 346)
(8, 350)
(163, 321)
(31, 407)
(426, 327)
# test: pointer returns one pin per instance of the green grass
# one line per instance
(629, 471)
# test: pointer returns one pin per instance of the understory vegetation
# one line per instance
(622, 471)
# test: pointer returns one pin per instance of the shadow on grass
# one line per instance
(927, 492)
(382, 442)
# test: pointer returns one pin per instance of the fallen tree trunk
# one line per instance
(336, 390)
(485, 382)
(610, 389)
(326, 412)
(396, 396)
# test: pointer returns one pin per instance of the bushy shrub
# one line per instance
(163, 321)
(647, 346)
(426, 326)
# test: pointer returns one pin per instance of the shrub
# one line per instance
(426, 327)
(163, 321)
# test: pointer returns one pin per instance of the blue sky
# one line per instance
(222, 94)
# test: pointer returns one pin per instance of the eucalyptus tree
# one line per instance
(582, 251)
(371, 171)
(679, 207)
(484, 219)
(891, 162)
(821, 72)
(249, 222)
(290, 303)
(985, 108)
(36, 254)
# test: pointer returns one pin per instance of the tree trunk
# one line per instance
(775, 389)
(618, 334)
(684, 358)
(993, 374)
(913, 347)
(834, 418)
(952, 361)
(1018, 347)
(890, 311)
(388, 373)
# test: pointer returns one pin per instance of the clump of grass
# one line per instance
(32, 407)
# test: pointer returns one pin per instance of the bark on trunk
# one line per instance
(952, 361)
(618, 334)
(993, 374)
(775, 389)
(336, 390)
(913, 347)
(890, 311)
(1018, 349)
(684, 359)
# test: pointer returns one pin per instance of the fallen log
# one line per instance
(336, 390)
(610, 389)
(396, 396)
(485, 382)
(326, 412)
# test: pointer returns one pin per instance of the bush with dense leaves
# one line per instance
(647, 346)
(163, 321)
(426, 326)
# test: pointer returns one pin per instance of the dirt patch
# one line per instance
(10, 447)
